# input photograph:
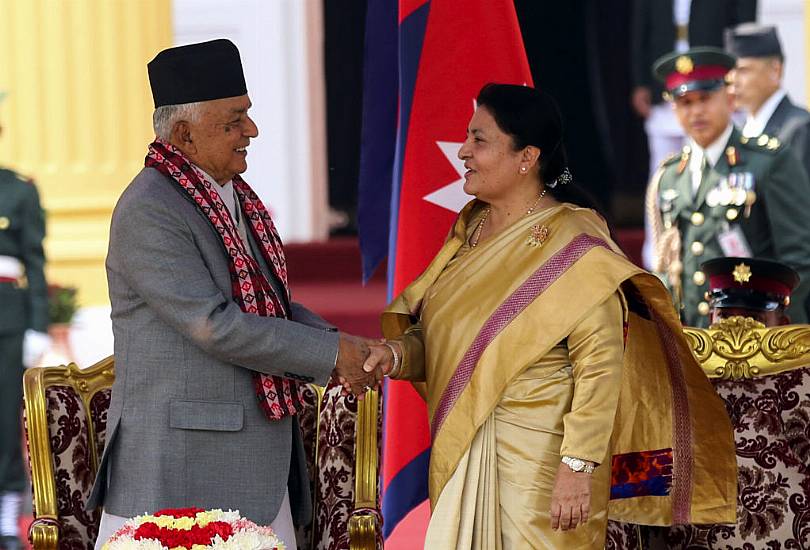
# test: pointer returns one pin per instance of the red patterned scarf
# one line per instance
(278, 396)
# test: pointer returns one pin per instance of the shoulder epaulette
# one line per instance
(12, 176)
(672, 158)
(763, 143)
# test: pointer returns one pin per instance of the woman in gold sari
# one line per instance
(556, 375)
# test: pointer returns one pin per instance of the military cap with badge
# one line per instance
(699, 69)
(749, 283)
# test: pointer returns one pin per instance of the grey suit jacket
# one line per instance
(184, 424)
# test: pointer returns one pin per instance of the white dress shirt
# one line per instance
(228, 196)
(712, 154)
(755, 123)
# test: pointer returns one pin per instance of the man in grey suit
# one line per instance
(757, 89)
(209, 349)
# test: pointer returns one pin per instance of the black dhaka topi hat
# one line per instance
(196, 72)
(753, 40)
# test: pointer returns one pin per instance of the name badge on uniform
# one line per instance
(734, 243)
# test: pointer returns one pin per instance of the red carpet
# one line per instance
(326, 277)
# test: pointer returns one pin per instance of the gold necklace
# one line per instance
(480, 228)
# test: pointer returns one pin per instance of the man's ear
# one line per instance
(777, 71)
(182, 139)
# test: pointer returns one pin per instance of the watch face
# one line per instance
(577, 465)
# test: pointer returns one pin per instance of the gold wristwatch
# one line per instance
(577, 464)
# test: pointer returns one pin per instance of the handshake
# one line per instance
(362, 363)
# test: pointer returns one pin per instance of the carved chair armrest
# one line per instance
(364, 529)
(44, 533)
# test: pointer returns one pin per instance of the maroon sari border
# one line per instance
(537, 283)
(683, 458)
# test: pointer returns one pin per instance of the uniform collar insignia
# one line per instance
(684, 159)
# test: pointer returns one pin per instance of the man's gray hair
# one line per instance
(165, 116)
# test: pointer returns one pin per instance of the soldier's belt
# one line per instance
(11, 268)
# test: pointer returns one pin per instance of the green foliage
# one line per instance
(61, 303)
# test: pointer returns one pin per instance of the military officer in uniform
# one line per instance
(23, 317)
(659, 27)
(757, 89)
(724, 194)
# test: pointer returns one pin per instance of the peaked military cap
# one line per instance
(752, 40)
(196, 72)
(749, 283)
(698, 69)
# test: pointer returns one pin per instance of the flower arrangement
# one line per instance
(193, 529)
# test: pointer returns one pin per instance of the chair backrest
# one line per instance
(342, 452)
(740, 348)
(65, 420)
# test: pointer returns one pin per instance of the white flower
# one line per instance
(247, 540)
(127, 543)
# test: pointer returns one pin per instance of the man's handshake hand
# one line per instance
(352, 353)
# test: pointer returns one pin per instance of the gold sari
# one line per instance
(521, 347)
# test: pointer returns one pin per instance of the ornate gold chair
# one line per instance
(740, 348)
(66, 416)
(65, 419)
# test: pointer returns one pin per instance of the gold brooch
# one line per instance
(742, 273)
(537, 236)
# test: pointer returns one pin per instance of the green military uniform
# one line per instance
(771, 215)
(753, 201)
(24, 306)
